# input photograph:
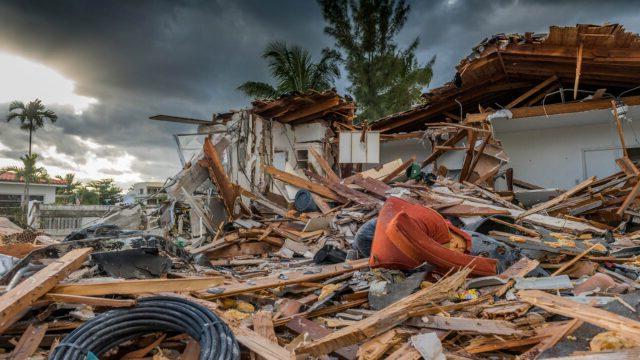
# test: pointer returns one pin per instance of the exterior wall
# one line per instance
(255, 141)
(560, 151)
(48, 191)
(142, 190)
(60, 220)
(403, 149)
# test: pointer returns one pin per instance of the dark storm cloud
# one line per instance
(141, 58)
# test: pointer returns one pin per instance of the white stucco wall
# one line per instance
(562, 150)
(48, 191)
(403, 149)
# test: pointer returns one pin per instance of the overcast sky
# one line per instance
(106, 66)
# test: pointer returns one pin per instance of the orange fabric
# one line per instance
(408, 234)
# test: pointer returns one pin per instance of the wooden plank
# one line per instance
(476, 159)
(558, 199)
(614, 106)
(480, 326)
(15, 301)
(553, 109)
(570, 263)
(629, 199)
(492, 196)
(450, 142)
(310, 110)
(557, 334)
(503, 344)
(263, 325)
(517, 101)
(384, 319)
(302, 183)
(598, 317)
(375, 348)
(405, 352)
(226, 188)
(130, 287)
(29, 342)
(397, 171)
(315, 331)
(325, 166)
(578, 71)
(91, 301)
(468, 159)
(373, 186)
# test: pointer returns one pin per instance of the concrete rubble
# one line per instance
(270, 246)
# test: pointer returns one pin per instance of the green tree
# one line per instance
(68, 191)
(32, 117)
(108, 192)
(384, 79)
(29, 171)
(87, 195)
(293, 70)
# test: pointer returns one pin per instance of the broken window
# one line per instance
(302, 158)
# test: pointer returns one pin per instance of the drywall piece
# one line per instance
(429, 346)
(544, 283)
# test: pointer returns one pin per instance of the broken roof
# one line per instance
(504, 67)
(299, 108)
(9, 176)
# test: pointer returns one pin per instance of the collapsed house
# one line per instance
(498, 219)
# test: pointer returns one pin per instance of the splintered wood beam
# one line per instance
(17, 300)
(629, 199)
(619, 128)
(483, 145)
(90, 300)
(129, 287)
(531, 92)
(578, 71)
(553, 109)
(29, 342)
(468, 159)
(450, 142)
(598, 317)
(227, 189)
(559, 199)
(263, 325)
(397, 171)
(325, 166)
(302, 183)
(384, 319)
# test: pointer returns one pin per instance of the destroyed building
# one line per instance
(498, 219)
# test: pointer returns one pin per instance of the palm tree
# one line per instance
(293, 70)
(32, 117)
(29, 171)
(70, 185)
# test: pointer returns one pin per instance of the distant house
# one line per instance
(141, 191)
(12, 190)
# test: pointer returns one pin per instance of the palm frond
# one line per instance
(258, 90)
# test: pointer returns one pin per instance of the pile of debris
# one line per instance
(258, 254)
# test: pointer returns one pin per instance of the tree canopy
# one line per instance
(293, 70)
(384, 78)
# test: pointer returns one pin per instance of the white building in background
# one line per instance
(141, 191)
(12, 190)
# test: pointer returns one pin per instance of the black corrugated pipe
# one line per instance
(151, 314)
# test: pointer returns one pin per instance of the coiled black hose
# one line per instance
(151, 314)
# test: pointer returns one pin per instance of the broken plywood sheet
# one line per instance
(381, 172)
